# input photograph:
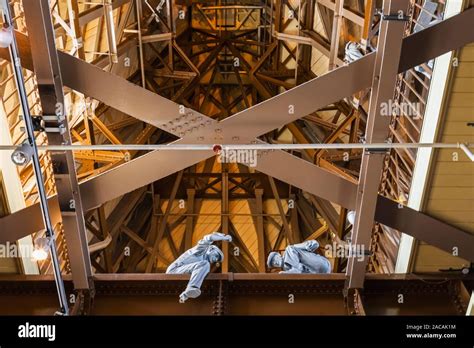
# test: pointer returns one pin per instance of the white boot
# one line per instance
(190, 292)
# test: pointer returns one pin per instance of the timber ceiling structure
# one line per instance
(249, 72)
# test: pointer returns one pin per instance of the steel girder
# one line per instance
(308, 177)
(417, 48)
(50, 87)
(246, 294)
(383, 87)
(110, 89)
(263, 117)
(440, 37)
(236, 129)
(425, 228)
(97, 11)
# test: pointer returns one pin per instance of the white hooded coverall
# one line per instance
(300, 258)
(194, 261)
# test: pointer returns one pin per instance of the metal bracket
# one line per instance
(38, 124)
(53, 118)
(61, 129)
(37, 121)
(42, 123)
(392, 16)
(376, 151)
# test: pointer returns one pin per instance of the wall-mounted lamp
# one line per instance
(42, 247)
(351, 216)
(22, 154)
(6, 36)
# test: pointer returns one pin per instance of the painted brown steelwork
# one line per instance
(425, 228)
(440, 33)
(383, 86)
(238, 123)
(158, 157)
(244, 294)
(50, 89)
(96, 193)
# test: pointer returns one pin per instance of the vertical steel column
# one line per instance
(139, 12)
(19, 79)
(260, 227)
(225, 215)
(110, 25)
(336, 31)
(383, 86)
(46, 66)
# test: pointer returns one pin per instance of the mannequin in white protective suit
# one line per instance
(300, 258)
(352, 52)
(197, 262)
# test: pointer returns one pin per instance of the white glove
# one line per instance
(217, 236)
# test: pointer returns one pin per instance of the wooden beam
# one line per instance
(260, 230)
(336, 31)
(295, 229)
(225, 216)
(188, 237)
(286, 226)
(151, 260)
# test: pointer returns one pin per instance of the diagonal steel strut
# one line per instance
(166, 163)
